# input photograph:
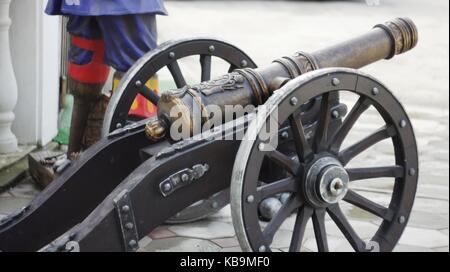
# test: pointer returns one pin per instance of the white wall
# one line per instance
(35, 48)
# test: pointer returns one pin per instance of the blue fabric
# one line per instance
(127, 38)
(104, 7)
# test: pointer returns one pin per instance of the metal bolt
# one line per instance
(185, 177)
(335, 114)
(261, 147)
(125, 208)
(375, 91)
(132, 243)
(262, 249)
(335, 81)
(129, 226)
(402, 220)
(250, 199)
(215, 205)
(171, 55)
(244, 63)
(284, 135)
(294, 101)
(339, 185)
(412, 172)
(138, 83)
(403, 123)
(211, 48)
(167, 187)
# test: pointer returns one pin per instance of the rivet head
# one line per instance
(261, 147)
(284, 135)
(250, 199)
(171, 55)
(244, 63)
(402, 220)
(119, 125)
(185, 177)
(412, 172)
(215, 205)
(211, 48)
(167, 187)
(335, 81)
(375, 91)
(138, 83)
(132, 243)
(335, 114)
(262, 249)
(403, 123)
(129, 226)
(125, 208)
(294, 101)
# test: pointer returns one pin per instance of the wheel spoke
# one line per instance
(321, 135)
(358, 109)
(205, 61)
(396, 171)
(276, 222)
(351, 152)
(303, 217)
(277, 187)
(363, 203)
(149, 94)
(232, 68)
(301, 144)
(339, 219)
(284, 161)
(320, 231)
(177, 75)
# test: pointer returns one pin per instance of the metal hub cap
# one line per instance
(326, 182)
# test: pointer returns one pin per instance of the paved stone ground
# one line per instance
(419, 79)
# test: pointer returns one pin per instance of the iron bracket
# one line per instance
(127, 221)
(183, 178)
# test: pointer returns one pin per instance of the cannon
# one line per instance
(284, 158)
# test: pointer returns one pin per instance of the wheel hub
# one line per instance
(326, 182)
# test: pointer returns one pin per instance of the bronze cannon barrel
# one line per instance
(254, 86)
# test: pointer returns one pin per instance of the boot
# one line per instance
(86, 97)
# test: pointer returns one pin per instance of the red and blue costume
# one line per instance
(105, 33)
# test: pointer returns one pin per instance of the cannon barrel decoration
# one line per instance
(254, 86)
(145, 176)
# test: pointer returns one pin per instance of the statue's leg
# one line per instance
(88, 73)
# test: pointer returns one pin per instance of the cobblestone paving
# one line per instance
(419, 79)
